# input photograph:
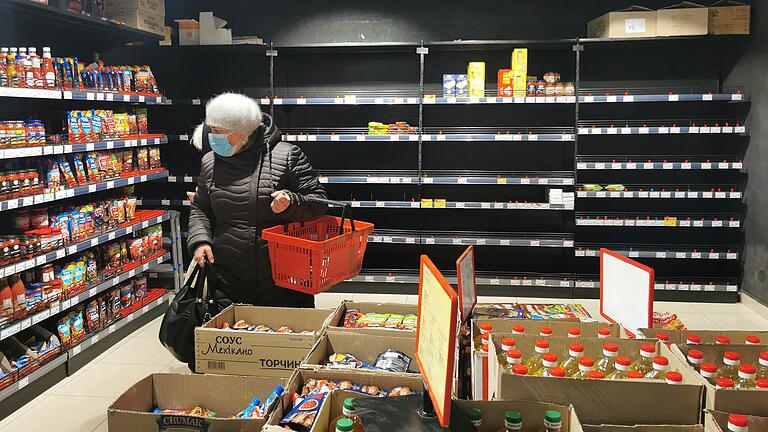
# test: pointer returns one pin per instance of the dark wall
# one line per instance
(750, 72)
(298, 22)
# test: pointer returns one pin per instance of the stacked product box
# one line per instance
(599, 400)
(147, 15)
(262, 341)
(387, 319)
(378, 354)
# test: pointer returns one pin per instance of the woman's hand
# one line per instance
(201, 253)
(280, 201)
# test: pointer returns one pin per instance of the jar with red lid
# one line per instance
(38, 218)
(21, 220)
(32, 243)
(57, 238)
(5, 185)
(46, 273)
(15, 179)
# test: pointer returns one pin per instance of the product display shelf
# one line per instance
(28, 93)
(466, 238)
(181, 179)
(618, 219)
(657, 127)
(465, 205)
(667, 192)
(34, 376)
(84, 95)
(79, 190)
(639, 92)
(669, 163)
(82, 245)
(403, 276)
(676, 284)
(446, 177)
(56, 149)
(660, 252)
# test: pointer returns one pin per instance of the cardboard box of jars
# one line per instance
(709, 337)
(603, 401)
(718, 421)
(745, 401)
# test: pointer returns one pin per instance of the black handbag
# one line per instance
(190, 308)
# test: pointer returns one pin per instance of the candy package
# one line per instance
(372, 319)
(140, 288)
(393, 361)
(92, 316)
(141, 120)
(499, 310)
(130, 208)
(409, 323)
(77, 161)
(133, 127)
(113, 258)
(126, 295)
(347, 361)
(136, 249)
(66, 173)
(127, 161)
(142, 158)
(154, 157)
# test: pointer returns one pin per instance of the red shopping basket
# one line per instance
(311, 257)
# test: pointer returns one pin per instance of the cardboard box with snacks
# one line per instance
(379, 354)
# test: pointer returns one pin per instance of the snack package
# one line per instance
(401, 391)
(53, 175)
(140, 288)
(373, 320)
(92, 316)
(126, 295)
(133, 127)
(66, 173)
(114, 306)
(252, 410)
(142, 158)
(302, 416)
(154, 158)
(499, 310)
(79, 169)
(347, 361)
(130, 208)
(77, 326)
(116, 163)
(73, 126)
(394, 321)
(393, 361)
(120, 210)
(285, 329)
(141, 120)
(409, 323)
(136, 249)
(127, 161)
(198, 411)
(155, 236)
(113, 258)
(121, 125)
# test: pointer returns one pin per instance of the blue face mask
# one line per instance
(220, 144)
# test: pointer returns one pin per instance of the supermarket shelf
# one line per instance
(472, 238)
(34, 376)
(79, 190)
(481, 278)
(429, 204)
(163, 202)
(94, 339)
(661, 194)
(447, 177)
(431, 137)
(63, 305)
(683, 253)
(661, 285)
(115, 97)
(181, 179)
(408, 100)
(671, 97)
(666, 165)
(662, 130)
(55, 149)
(81, 246)
(177, 137)
(27, 93)
(657, 220)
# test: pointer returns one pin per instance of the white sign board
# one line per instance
(626, 291)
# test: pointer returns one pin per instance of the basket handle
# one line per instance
(346, 210)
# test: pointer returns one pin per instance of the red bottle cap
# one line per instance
(514, 354)
(603, 332)
(634, 374)
(764, 358)
(662, 337)
(753, 340)
(520, 329)
(545, 331)
(722, 340)
(520, 369)
(484, 338)
(610, 347)
(709, 367)
(674, 377)
(484, 348)
(596, 375)
(549, 360)
(486, 327)
(693, 339)
(661, 361)
(560, 372)
(747, 371)
(586, 361)
(695, 355)
(576, 350)
(762, 383)
(542, 343)
(647, 350)
(731, 358)
(722, 383)
(574, 332)
(737, 423)
(508, 342)
(623, 361)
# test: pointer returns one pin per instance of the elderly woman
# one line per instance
(251, 180)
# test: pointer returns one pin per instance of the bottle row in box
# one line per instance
(23, 68)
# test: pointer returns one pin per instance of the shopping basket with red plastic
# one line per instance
(313, 256)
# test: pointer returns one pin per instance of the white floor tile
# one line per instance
(697, 321)
(150, 330)
(380, 298)
(330, 300)
(25, 408)
(177, 368)
(63, 414)
(107, 380)
(143, 351)
(743, 321)
(110, 350)
(721, 308)
(102, 427)
(69, 379)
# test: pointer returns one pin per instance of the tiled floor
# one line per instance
(84, 397)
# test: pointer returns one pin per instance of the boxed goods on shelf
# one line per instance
(707, 337)
(729, 17)
(43, 344)
(224, 396)
(371, 319)
(683, 19)
(138, 19)
(719, 421)
(724, 397)
(519, 71)
(376, 354)
(319, 384)
(632, 22)
(476, 79)
(21, 359)
(602, 400)
(156, 7)
(494, 415)
(252, 340)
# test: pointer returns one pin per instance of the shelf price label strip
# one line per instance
(663, 254)
(662, 98)
(51, 149)
(669, 223)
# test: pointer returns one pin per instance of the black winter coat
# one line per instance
(232, 206)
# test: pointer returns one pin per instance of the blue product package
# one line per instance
(252, 410)
(264, 409)
(462, 85)
(449, 84)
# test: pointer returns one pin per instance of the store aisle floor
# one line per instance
(83, 398)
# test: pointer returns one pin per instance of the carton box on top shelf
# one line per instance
(365, 349)
(238, 352)
(632, 22)
(139, 19)
(709, 337)
(602, 401)
(729, 17)
(519, 71)
(719, 422)
(227, 395)
(683, 19)
(212, 31)
(378, 308)
(751, 402)
(189, 31)
(304, 376)
(156, 7)
(476, 78)
(532, 413)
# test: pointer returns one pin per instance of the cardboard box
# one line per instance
(227, 395)
(156, 7)
(462, 85)
(683, 19)
(632, 22)
(750, 402)
(212, 31)
(519, 71)
(139, 19)
(189, 32)
(533, 414)
(394, 308)
(505, 83)
(559, 327)
(476, 77)
(729, 17)
(719, 421)
(737, 337)
(603, 401)
(296, 382)
(643, 428)
(363, 348)
(266, 354)
(449, 84)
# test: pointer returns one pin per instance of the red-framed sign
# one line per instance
(465, 270)
(626, 291)
(436, 336)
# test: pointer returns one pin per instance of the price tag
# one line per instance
(457, 241)
(706, 97)
(626, 131)
(615, 194)
(610, 98)
(663, 130)
(535, 243)
(661, 254)
(696, 255)
(615, 165)
(583, 131)
(597, 131)
(76, 350)
(527, 282)
(737, 165)
(23, 382)
(380, 204)
(728, 129)
(679, 255)
(129, 318)
(732, 255)
(723, 165)
(579, 252)
(643, 130)
(600, 194)
(667, 165)
(673, 98)
(145, 309)
(92, 292)
(734, 224)
(110, 184)
(714, 255)
(666, 194)
(141, 98)
(654, 194)
(715, 129)
(599, 165)
(61, 253)
(735, 194)
(72, 250)
(720, 195)
(704, 129)
(693, 129)
(95, 339)
(111, 329)
(460, 204)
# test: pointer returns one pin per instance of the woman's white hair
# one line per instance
(230, 111)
